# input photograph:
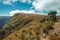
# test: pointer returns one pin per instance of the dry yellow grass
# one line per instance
(32, 30)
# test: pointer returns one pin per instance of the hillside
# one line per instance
(31, 27)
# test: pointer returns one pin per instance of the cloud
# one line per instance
(54, 5)
(46, 5)
(28, 1)
(21, 11)
(6, 2)
(10, 2)
(40, 4)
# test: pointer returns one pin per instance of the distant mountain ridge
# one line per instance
(3, 20)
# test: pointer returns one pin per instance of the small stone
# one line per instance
(44, 35)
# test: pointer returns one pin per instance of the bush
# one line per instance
(45, 31)
(2, 34)
(49, 27)
(52, 15)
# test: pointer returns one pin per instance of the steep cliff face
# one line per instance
(31, 27)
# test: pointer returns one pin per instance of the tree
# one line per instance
(52, 15)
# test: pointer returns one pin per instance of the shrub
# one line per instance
(52, 15)
(2, 34)
(45, 31)
(30, 33)
(49, 27)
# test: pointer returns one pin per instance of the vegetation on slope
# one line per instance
(28, 26)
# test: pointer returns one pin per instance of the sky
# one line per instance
(10, 7)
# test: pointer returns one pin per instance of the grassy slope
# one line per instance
(27, 27)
